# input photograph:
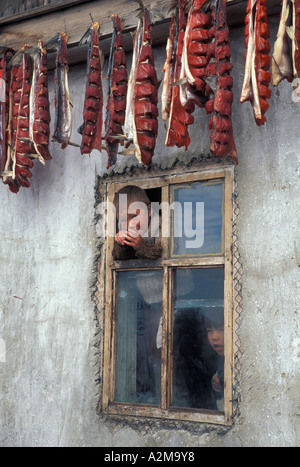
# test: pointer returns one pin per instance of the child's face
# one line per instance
(216, 338)
(137, 223)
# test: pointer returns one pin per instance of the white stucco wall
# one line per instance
(48, 390)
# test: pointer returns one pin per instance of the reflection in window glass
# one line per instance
(197, 226)
(198, 339)
(138, 337)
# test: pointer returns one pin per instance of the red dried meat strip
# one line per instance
(180, 115)
(145, 98)
(257, 78)
(118, 85)
(196, 50)
(41, 112)
(218, 76)
(91, 129)
(22, 147)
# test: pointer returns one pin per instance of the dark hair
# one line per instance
(133, 193)
(213, 316)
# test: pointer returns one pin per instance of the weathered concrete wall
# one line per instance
(48, 382)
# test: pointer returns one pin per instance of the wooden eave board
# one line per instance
(74, 20)
(32, 11)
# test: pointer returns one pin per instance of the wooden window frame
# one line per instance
(167, 264)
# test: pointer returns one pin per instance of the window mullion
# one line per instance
(167, 333)
(165, 224)
(170, 336)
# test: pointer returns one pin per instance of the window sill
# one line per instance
(172, 414)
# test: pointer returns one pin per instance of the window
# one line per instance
(168, 346)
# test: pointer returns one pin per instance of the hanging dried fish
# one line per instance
(180, 116)
(91, 129)
(129, 114)
(117, 92)
(63, 115)
(39, 104)
(219, 80)
(257, 78)
(169, 69)
(21, 150)
(197, 51)
(14, 86)
(141, 124)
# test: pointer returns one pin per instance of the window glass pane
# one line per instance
(197, 224)
(198, 339)
(138, 337)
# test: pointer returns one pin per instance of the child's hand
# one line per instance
(120, 237)
(133, 239)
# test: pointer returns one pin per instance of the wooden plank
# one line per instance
(192, 415)
(23, 10)
(165, 228)
(207, 261)
(108, 324)
(169, 331)
(197, 261)
(76, 19)
(164, 349)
